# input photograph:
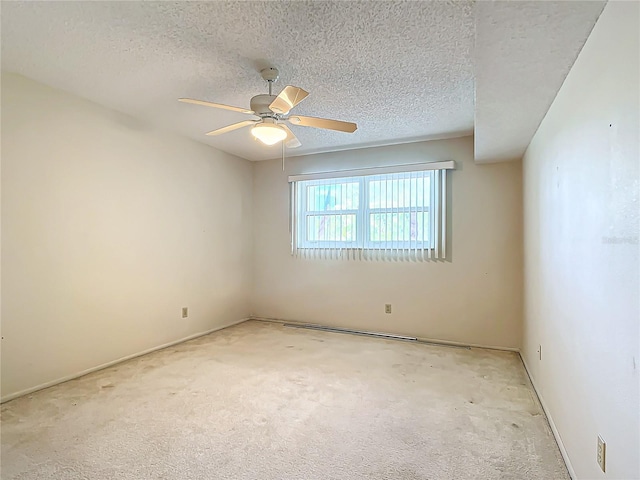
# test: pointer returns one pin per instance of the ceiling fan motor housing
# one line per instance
(260, 104)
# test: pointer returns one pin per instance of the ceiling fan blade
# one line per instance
(288, 98)
(338, 125)
(291, 140)
(232, 127)
(216, 105)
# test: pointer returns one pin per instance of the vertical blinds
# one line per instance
(390, 213)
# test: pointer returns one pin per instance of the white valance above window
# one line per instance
(412, 167)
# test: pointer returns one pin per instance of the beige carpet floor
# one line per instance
(264, 401)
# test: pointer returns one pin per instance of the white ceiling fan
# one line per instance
(270, 112)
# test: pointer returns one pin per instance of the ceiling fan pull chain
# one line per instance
(282, 156)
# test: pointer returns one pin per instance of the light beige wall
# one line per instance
(475, 298)
(108, 229)
(581, 251)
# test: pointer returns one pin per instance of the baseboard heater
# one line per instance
(389, 336)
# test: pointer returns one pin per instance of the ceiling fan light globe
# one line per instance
(268, 134)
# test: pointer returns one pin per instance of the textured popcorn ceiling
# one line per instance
(403, 71)
(524, 51)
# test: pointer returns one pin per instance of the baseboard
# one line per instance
(552, 425)
(421, 339)
(42, 386)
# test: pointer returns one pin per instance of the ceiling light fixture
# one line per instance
(269, 132)
(270, 112)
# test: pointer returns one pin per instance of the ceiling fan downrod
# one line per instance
(271, 75)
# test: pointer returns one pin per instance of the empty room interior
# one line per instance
(320, 240)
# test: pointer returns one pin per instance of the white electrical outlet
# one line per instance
(185, 312)
(387, 308)
(602, 453)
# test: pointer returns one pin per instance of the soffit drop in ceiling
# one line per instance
(524, 51)
(404, 71)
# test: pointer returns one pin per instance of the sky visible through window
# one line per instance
(394, 210)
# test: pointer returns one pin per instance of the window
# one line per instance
(374, 213)
(363, 212)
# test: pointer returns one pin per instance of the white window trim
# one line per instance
(366, 250)
(362, 240)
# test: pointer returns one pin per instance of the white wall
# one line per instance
(581, 251)
(108, 229)
(475, 298)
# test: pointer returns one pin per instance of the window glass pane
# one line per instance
(399, 193)
(340, 196)
(331, 228)
(399, 227)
